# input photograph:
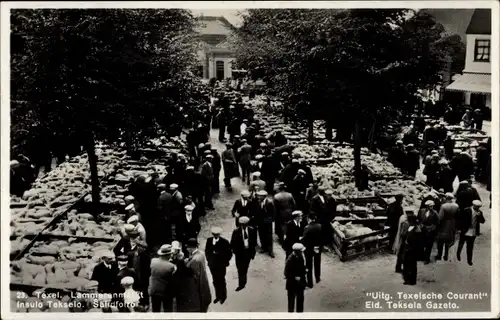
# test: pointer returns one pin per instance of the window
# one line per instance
(482, 50)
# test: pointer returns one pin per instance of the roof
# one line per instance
(454, 21)
(472, 82)
(480, 23)
(214, 26)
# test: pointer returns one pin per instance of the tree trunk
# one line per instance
(285, 114)
(90, 149)
(329, 130)
(310, 133)
(357, 154)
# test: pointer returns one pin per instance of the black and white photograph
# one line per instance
(250, 159)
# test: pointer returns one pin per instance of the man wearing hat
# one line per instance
(445, 177)
(429, 221)
(312, 240)
(207, 173)
(128, 242)
(324, 208)
(396, 155)
(412, 161)
(447, 226)
(298, 187)
(131, 200)
(257, 183)
(188, 227)
(431, 171)
(295, 275)
(218, 252)
(105, 272)
(197, 285)
(411, 250)
(285, 205)
(293, 231)
(264, 214)
(164, 221)
(230, 165)
(245, 156)
(161, 280)
(469, 221)
(139, 228)
(193, 185)
(217, 168)
(242, 207)
(243, 243)
(123, 271)
(463, 165)
(482, 158)
(393, 212)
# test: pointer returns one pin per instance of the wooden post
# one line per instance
(94, 176)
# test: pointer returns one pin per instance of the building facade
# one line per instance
(214, 55)
(475, 81)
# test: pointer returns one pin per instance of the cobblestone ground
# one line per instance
(344, 286)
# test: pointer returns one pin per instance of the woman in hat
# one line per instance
(161, 288)
(429, 221)
(447, 226)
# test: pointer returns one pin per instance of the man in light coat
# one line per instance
(197, 284)
(162, 271)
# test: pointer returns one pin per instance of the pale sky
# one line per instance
(230, 15)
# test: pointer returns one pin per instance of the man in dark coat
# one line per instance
(465, 195)
(124, 271)
(463, 165)
(449, 146)
(446, 176)
(429, 221)
(242, 207)
(482, 157)
(294, 230)
(469, 225)
(269, 172)
(290, 172)
(264, 214)
(295, 275)
(243, 243)
(412, 246)
(193, 186)
(217, 168)
(324, 207)
(431, 171)
(207, 173)
(105, 273)
(230, 165)
(187, 228)
(393, 212)
(397, 155)
(412, 161)
(312, 240)
(218, 252)
(298, 187)
(285, 205)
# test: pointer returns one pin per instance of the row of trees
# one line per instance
(352, 68)
(93, 75)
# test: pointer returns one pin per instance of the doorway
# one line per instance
(219, 70)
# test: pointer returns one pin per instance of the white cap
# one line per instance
(189, 208)
(127, 281)
(256, 174)
(133, 219)
(245, 193)
(174, 186)
(297, 213)
(130, 207)
(262, 193)
(429, 203)
(298, 247)
(477, 203)
(216, 230)
(129, 198)
(106, 254)
(449, 195)
(176, 245)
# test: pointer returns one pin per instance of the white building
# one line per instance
(215, 56)
(475, 81)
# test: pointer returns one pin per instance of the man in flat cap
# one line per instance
(242, 207)
(188, 227)
(447, 226)
(429, 221)
(285, 204)
(105, 272)
(446, 176)
(257, 183)
(324, 207)
(230, 165)
(243, 244)
(123, 271)
(207, 173)
(412, 160)
(264, 214)
(469, 226)
(295, 275)
(396, 155)
(245, 156)
(217, 165)
(293, 231)
(218, 252)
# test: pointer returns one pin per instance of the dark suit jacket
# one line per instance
(126, 272)
(243, 211)
(428, 224)
(325, 212)
(237, 244)
(106, 277)
(312, 236)
(207, 172)
(465, 220)
(123, 247)
(293, 233)
(264, 214)
(220, 254)
(295, 267)
(186, 230)
(164, 204)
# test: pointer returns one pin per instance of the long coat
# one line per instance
(295, 267)
(285, 204)
(402, 229)
(161, 279)
(465, 220)
(293, 233)
(199, 297)
(447, 218)
(245, 156)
